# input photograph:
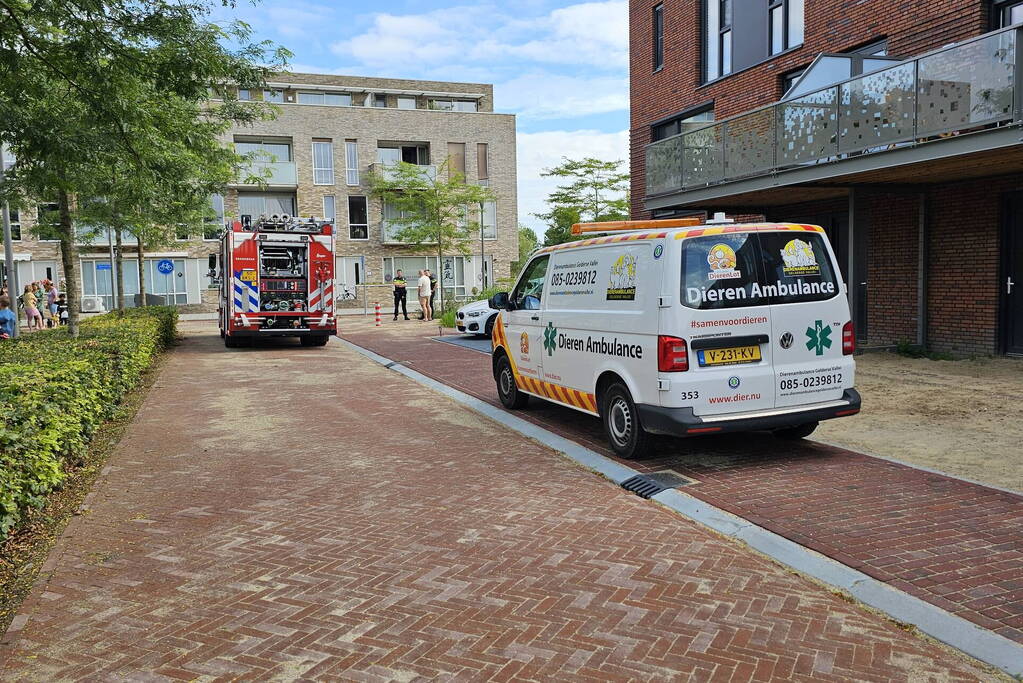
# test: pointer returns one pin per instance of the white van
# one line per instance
(672, 328)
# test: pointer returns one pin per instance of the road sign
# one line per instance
(165, 266)
(102, 266)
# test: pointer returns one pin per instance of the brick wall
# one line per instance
(892, 268)
(910, 26)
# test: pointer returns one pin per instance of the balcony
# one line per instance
(387, 171)
(273, 173)
(956, 102)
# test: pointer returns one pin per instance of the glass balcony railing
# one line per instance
(272, 172)
(386, 171)
(949, 91)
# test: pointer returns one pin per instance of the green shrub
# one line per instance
(55, 391)
(448, 319)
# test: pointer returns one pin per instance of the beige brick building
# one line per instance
(330, 133)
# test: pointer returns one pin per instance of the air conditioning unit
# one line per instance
(93, 304)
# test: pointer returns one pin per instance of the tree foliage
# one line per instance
(592, 190)
(434, 211)
(527, 243)
(111, 99)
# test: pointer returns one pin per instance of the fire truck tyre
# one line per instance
(488, 329)
(233, 342)
(510, 396)
(621, 423)
(797, 432)
(320, 340)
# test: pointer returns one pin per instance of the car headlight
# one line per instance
(474, 314)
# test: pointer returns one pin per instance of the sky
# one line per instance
(561, 67)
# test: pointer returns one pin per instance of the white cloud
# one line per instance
(542, 95)
(537, 151)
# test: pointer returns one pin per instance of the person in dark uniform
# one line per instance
(433, 289)
(399, 294)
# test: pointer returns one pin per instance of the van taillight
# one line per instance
(848, 339)
(672, 354)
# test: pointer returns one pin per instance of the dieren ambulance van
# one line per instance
(666, 327)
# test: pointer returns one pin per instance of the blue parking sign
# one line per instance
(165, 266)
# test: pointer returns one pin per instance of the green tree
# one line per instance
(527, 243)
(593, 190)
(112, 99)
(431, 211)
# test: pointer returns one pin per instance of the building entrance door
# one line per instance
(1011, 285)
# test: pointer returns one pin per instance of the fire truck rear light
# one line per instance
(848, 339)
(672, 354)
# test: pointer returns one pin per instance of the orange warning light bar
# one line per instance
(615, 226)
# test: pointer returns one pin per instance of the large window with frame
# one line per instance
(682, 123)
(323, 162)
(256, 204)
(15, 217)
(358, 218)
(717, 38)
(214, 224)
(1007, 13)
(658, 37)
(48, 222)
(264, 150)
(785, 24)
(352, 162)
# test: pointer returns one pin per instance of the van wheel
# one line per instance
(621, 424)
(797, 432)
(510, 396)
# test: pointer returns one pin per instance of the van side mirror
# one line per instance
(499, 301)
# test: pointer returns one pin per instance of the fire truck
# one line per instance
(276, 278)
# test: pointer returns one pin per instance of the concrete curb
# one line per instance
(980, 643)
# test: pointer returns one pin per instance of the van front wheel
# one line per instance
(621, 423)
(507, 391)
(797, 432)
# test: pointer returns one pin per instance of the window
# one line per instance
(213, 227)
(879, 48)
(1008, 13)
(483, 163)
(352, 162)
(490, 220)
(451, 274)
(658, 37)
(15, 225)
(742, 270)
(410, 154)
(253, 205)
(48, 222)
(182, 233)
(264, 150)
(325, 98)
(405, 102)
(442, 105)
(785, 24)
(244, 94)
(788, 80)
(358, 218)
(323, 162)
(456, 159)
(682, 123)
(717, 38)
(528, 292)
(465, 105)
(329, 213)
(273, 96)
(377, 99)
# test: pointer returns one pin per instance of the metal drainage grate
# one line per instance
(647, 485)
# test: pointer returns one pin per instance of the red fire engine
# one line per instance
(277, 280)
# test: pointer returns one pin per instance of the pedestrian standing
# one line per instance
(62, 314)
(423, 287)
(30, 303)
(51, 302)
(433, 289)
(400, 294)
(7, 318)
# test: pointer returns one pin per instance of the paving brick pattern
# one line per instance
(360, 527)
(955, 544)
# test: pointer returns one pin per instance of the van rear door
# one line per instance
(727, 324)
(808, 313)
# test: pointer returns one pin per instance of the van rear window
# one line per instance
(756, 269)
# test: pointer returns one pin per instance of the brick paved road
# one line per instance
(955, 544)
(357, 526)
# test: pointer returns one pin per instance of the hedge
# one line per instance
(55, 391)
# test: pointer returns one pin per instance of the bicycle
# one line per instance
(346, 294)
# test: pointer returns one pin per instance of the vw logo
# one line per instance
(786, 340)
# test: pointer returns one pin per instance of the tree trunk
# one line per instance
(68, 254)
(440, 272)
(142, 273)
(119, 260)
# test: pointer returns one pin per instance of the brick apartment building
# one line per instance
(330, 133)
(895, 125)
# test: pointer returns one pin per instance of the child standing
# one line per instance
(7, 318)
(62, 314)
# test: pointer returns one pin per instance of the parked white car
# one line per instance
(476, 318)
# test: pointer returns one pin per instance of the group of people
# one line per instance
(39, 298)
(426, 289)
